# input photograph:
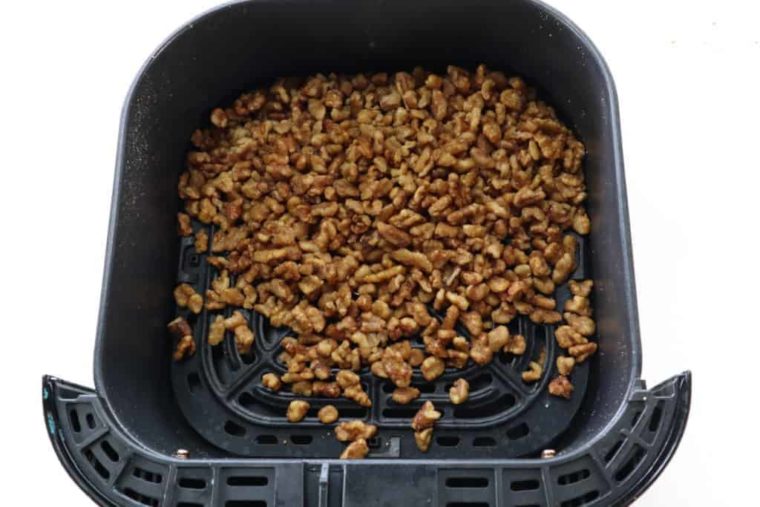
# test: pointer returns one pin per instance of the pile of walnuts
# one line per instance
(347, 207)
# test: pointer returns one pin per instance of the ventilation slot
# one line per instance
(637, 454)
(481, 382)
(426, 388)
(234, 429)
(654, 421)
(97, 465)
(635, 418)
(301, 439)
(518, 432)
(374, 442)
(75, 424)
(526, 485)
(613, 450)
(193, 382)
(247, 481)
(147, 476)
(266, 439)
(247, 401)
(246, 503)
(140, 498)
(467, 504)
(484, 442)
(90, 421)
(354, 412)
(447, 441)
(467, 482)
(398, 413)
(574, 477)
(581, 500)
(189, 504)
(109, 451)
(192, 483)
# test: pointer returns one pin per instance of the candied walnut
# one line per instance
(459, 392)
(562, 269)
(185, 296)
(244, 338)
(328, 414)
(356, 450)
(425, 417)
(413, 259)
(396, 368)
(579, 305)
(271, 381)
(326, 389)
(393, 234)
(567, 337)
(516, 345)
(565, 365)
(302, 388)
(352, 430)
(498, 338)
(423, 439)
(297, 410)
(534, 372)
(416, 357)
(581, 288)
(584, 326)
(347, 378)
(432, 368)
(582, 351)
(561, 386)
(357, 394)
(185, 348)
(201, 241)
(405, 395)
(184, 225)
(480, 351)
(216, 331)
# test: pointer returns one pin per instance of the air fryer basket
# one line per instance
(120, 442)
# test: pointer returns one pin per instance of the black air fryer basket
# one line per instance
(204, 433)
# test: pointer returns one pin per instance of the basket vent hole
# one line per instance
(193, 382)
(247, 481)
(301, 439)
(574, 477)
(247, 400)
(97, 465)
(481, 382)
(147, 476)
(75, 424)
(245, 503)
(374, 443)
(636, 455)
(266, 439)
(192, 483)
(354, 412)
(140, 498)
(90, 421)
(399, 412)
(526, 485)
(520, 431)
(468, 504)
(189, 504)
(109, 451)
(581, 500)
(613, 450)
(654, 421)
(635, 418)
(467, 482)
(484, 442)
(447, 441)
(234, 429)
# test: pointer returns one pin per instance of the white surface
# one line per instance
(688, 82)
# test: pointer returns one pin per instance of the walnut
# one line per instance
(328, 414)
(352, 430)
(216, 331)
(357, 394)
(460, 391)
(498, 338)
(185, 296)
(426, 417)
(582, 351)
(565, 365)
(432, 368)
(561, 386)
(534, 372)
(184, 225)
(584, 326)
(423, 439)
(405, 395)
(347, 378)
(516, 345)
(567, 337)
(356, 450)
(271, 381)
(181, 330)
(326, 389)
(297, 410)
(201, 241)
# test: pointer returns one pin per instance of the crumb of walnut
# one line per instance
(328, 414)
(353, 430)
(426, 417)
(357, 449)
(459, 392)
(561, 386)
(184, 225)
(297, 410)
(405, 395)
(423, 439)
(271, 381)
(565, 365)
(181, 330)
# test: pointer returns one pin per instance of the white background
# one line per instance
(688, 80)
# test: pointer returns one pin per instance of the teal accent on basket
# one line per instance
(45, 393)
(51, 423)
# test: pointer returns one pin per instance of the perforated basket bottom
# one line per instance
(219, 391)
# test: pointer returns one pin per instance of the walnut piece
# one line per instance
(405, 395)
(561, 386)
(459, 392)
(353, 430)
(423, 439)
(328, 414)
(271, 381)
(357, 449)
(181, 330)
(426, 417)
(297, 410)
